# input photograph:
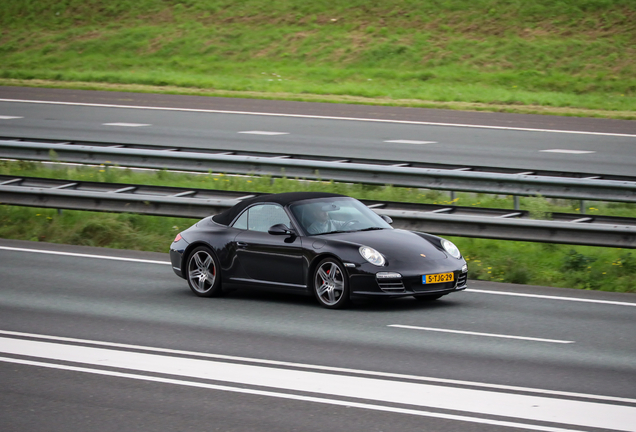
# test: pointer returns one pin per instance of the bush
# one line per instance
(576, 262)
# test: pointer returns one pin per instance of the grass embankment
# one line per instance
(583, 267)
(572, 57)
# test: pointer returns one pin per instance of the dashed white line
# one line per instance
(566, 151)
(2, 117)
(263, 133)
(410, 142)
(126, 124)
(480, 334)
(320, 117)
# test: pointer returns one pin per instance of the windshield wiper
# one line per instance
(349, 231)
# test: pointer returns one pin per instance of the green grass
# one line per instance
(119, 231)
(507, 55)
(607, 269)
(571, 57)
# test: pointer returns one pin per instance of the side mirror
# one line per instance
(281, 229)
(386, 219)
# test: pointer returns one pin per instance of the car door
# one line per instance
(267, 258)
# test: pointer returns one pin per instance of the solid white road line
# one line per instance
(512, 406)
(83, 255)
(550, 297)
(2, 117)
(567, 151)
(126, 124)
(263, 133)
(347, 404)
(467, 290)
(410, 142)
(323, 368)
(479, 334)
(319, 117)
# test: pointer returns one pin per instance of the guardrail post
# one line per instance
(516, 201)
(582, 207)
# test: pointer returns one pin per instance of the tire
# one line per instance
(330, 284)
(428, 297)
(203, 273)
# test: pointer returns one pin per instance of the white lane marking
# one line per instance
(550, 297)
(83, 255)
(533, 408)
(288, 396)
(263, 133)
(323, 368)
(467, 290)
(410, 142)
(320, 117)
(126, 124)
(567, 151)
(479, 334)
(2, 117)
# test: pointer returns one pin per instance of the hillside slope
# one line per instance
(507, 54)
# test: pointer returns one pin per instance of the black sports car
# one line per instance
(328, 245)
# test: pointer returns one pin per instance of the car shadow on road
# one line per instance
(358, 304)
(401, 304)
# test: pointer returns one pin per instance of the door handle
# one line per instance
(241, 244)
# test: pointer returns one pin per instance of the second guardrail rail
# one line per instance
(437, 219)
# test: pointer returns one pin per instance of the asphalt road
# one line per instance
(524, 142)
(88, 342)
(91, 342)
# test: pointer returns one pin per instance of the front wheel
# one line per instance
(331, 285)
(203, 273)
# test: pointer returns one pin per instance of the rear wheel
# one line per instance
(330, 284)
(203, 273)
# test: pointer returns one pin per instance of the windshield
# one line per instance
(329, 215)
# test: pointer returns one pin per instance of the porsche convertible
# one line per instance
(326, 245)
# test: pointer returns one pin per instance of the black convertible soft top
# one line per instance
(283, 199)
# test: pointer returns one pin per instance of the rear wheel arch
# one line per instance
(192, 246)
(205, 279)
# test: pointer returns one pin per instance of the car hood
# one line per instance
(395, 244)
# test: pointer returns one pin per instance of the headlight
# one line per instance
(372, 255)
(451, 249)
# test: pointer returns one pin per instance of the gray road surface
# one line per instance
(572, 347)
(524, 142)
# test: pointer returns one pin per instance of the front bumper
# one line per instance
(408, 285)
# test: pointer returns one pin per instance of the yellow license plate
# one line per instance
(438, 278)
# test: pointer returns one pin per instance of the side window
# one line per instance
(262, 217)
(241, 222)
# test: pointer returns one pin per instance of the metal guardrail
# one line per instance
(466, 179)
(443, 220)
